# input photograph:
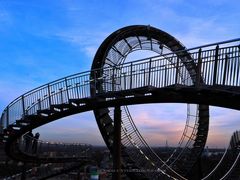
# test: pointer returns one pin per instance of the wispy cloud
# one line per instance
(158, 123)
(192, 23)
(5, 16)
(88, 42)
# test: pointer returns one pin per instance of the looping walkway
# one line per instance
(204, 75)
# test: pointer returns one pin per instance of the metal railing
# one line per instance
(217, 66)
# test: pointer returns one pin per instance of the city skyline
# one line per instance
(45, 42)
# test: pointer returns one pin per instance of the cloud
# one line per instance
(13, 88)
(5, 15)
(87, 42)
(223, 117)
(158, 123)
(192, 23)
(197, 32)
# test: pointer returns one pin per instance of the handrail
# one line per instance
(169, 68)
(88, 72)
(217, 43)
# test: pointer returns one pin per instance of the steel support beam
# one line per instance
(117, 144)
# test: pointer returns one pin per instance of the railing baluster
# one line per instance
(225, 69)
(235, 68)
(39, 104)
(125, 87)
(49, 95)
(161, 80)
(165, 81)
(199, 67)
(7, 115)
(77, 90)
(231, 78)
(177, 72)
(131, 75)
(208, 72)
(61, 96)
(144, 78)
(113, 81)
(23, 106)
(238, 68)
(149, 74)
(215, 65)
(67, 90)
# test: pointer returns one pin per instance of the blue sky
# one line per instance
(41, 41)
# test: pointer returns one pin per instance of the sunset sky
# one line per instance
(41, 41)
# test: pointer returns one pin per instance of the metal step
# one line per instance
(77, 102)
(45, 112)
(60, 106)
(31, 117)
(15, 126)
(23, 122)
(10, 131)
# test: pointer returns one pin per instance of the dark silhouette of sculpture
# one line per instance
(35, 143)
(28, 140)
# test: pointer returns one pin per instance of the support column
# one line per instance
(117, 144)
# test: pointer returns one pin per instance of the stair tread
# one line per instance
(60, 106)
(15, 125)
(82, 100)
(29, 117)
(23, 121)
(47, 111)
